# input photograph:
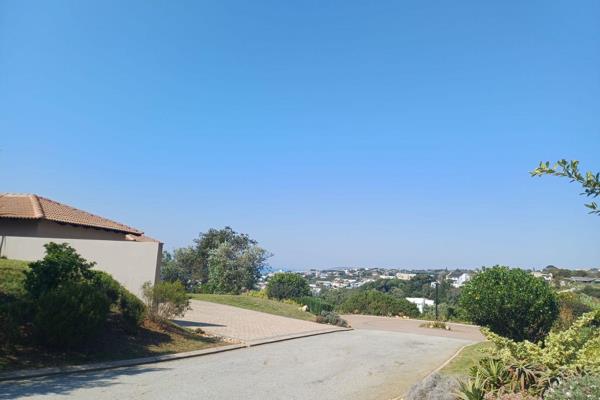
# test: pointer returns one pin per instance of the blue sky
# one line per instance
(339, 133)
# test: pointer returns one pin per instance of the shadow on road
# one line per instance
(191, 324)
(65, 384)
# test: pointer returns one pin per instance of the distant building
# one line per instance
(461, 280)
(421, 302)
(584, 279)
(545, 276)
(404, 276)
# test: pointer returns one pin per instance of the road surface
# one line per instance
(359, 364)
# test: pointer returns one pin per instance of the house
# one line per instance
(28, 221)
(460, 280)
(421, 302)
(545, 276)
(404, 276)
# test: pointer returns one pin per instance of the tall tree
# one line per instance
(233, 269)
(570, 169)
(191, 265)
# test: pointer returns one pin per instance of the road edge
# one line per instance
(71, 369)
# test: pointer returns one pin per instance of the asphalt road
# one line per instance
(359, 364)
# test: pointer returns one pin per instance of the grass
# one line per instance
(468, 357)
(114, 344)
(12, 276)
(257, 304)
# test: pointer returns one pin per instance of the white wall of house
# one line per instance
(131, 263)
(421, 302)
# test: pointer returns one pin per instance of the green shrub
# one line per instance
(373, 302)
(70, 315)
(511, 302)
(331, 318)
(576, 388)
(570, 308)
(165, 300)
(132, 309)
(593, 291)
(315, 305)
(336, 296)
(71, 302)
(61, 264)
(572, 351)
(287, 285)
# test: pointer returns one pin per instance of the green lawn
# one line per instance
(468, 357)
(257, 304)
(12, 275)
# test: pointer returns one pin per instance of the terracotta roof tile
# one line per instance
(30, 206)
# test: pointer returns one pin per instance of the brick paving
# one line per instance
(458, 331)
(245, 325)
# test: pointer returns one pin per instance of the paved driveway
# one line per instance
(246, 325)
(457, 331)
(359, 364)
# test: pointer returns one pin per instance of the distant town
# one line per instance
(352, 278)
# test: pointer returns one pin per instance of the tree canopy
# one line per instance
(511, 302)
(220, 260)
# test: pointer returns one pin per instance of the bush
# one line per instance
(287, 285)
(433, 387)
(165, 300)
(572, 351)
(329, 317)
(71, 302)
(570, 308)
(373, 302)
(70, 315)
(131, 308)
(576, 388)
(511, 302)
(315, 305)
(593, 291)
(61, 265)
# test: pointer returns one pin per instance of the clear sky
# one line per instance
(336, 133)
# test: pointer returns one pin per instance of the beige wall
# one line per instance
(51, 229)
(130, 263)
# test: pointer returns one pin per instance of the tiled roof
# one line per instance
(31, 206)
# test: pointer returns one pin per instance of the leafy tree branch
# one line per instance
(570, 169)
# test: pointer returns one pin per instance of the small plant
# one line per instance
(471, 389)
(433, 387)
(435, 325)
(331, 318)
(165, 300)
(575, 388)
(259, 294)
(315, 305)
